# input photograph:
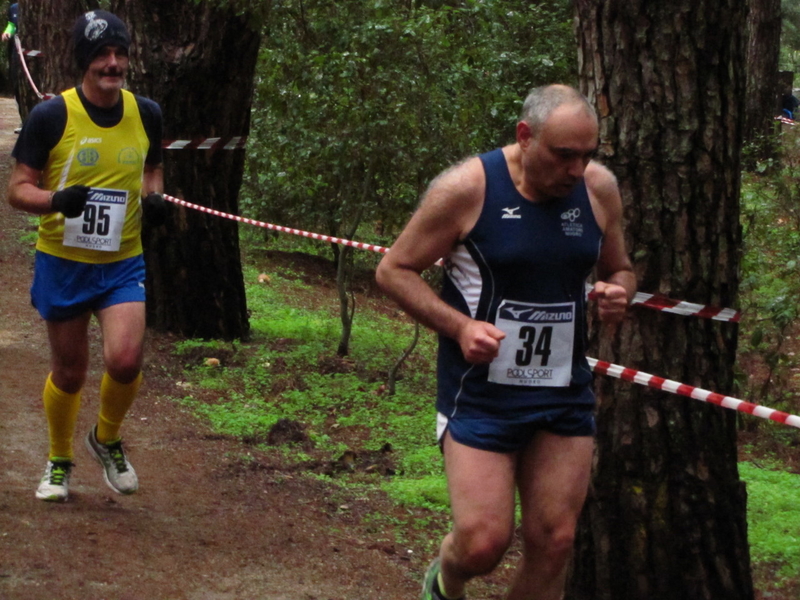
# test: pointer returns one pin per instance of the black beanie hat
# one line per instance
(95, 29)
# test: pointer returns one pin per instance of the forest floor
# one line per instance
(203, 526)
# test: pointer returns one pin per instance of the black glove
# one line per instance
(154, 208)
(70, 201)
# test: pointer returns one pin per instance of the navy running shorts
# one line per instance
(64, 289)
(512, 434)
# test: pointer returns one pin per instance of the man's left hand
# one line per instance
(612, 301)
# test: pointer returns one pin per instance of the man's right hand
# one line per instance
(480, 341)
(70, 201)
(154, 209)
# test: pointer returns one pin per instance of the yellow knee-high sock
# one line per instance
(115, 400)
(61, 410)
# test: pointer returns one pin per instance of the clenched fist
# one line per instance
(70, 201)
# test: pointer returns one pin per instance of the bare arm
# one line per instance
(24, 192)
(616, 283)
(448, 211)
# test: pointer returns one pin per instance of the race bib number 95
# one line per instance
(537, 349)
(100, 225)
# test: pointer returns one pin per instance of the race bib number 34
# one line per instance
(537, 349)
(100, 225)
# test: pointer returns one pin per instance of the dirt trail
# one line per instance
(201, 527)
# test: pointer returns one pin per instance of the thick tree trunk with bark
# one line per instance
(47, 26)
(198, 62)
(763, 91)
(666, 515)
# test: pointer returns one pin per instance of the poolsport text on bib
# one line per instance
(537, 349)
(100, 225)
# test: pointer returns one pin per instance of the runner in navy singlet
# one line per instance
(520, 228)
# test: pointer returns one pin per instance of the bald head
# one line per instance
(542, 101)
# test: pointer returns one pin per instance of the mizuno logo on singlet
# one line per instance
(510, 213)
(537, 315)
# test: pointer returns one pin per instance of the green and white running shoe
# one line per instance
(117, 471)
(54, 486)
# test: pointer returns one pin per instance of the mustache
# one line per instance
(112, 73)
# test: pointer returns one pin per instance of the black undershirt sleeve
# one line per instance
(40, 133)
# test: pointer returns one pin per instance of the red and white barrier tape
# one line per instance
(649, 300)
(598, 366)
(21, 55)
(212, 143)
(785, 120)
(606, 368)
(686, 309)
(308, 234)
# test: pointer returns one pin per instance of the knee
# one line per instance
(480, 549)
(69, 376)
(562, 543)
(69, 381)
(124, 367)
(553, 544)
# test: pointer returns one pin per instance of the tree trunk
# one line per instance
(347, 305)
(666, 516)
(198, 62)
(47, 26)
(763, 91)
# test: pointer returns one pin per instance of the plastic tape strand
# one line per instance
(667, 385)
(649, 300)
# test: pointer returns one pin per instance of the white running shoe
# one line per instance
(54, 486)
(117, 471)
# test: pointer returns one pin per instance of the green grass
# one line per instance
(278, 375)
(773, 518)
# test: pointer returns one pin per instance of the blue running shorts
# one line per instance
(65, 289)
(512, 434)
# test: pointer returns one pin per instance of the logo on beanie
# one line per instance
(94, 26)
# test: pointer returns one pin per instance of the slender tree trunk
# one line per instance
(198, 62)
(344, 263)
(391, 384)
(347, 304)
(763, 91)
(666, 517)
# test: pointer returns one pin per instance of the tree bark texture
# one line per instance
(47, 26)
(197, 61)
(763, 53)
(666, 515)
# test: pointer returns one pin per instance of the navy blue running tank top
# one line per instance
(523, 267)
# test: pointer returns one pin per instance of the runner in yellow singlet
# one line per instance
(89, 163)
